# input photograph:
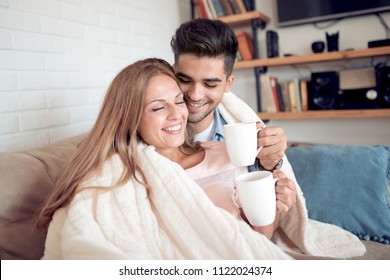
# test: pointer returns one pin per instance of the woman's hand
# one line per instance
(286, 192)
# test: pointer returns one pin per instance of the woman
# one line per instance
(143, 104)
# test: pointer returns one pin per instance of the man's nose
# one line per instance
(195, 92)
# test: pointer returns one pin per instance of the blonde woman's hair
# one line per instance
(114, 132)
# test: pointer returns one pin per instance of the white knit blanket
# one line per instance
(174, 219)
(296, 231)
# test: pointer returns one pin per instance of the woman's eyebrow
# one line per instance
(163, 100)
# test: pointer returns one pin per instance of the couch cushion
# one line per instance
(346, 186)
(25, 179)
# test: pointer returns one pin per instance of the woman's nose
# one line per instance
(174, 112)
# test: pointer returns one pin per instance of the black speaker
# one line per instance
(323, 91)
(383, 78)
(272, 43)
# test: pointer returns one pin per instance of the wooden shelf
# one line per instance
(313, 58)
(253, 18)
(245, 17)
(327, 114)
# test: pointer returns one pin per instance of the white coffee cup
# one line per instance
(241, 143)
(256, 193)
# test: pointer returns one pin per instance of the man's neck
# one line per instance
(196, 128)
(207, 134)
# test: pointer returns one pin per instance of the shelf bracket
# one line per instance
(261, 70)
(258, 72)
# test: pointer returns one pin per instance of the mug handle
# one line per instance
(259, 148)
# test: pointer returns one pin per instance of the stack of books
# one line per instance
(287, 96)
(219, 8)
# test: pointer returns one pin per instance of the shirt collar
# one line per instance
(218, 134)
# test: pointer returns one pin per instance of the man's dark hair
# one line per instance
(206, 37)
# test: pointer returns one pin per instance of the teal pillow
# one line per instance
(346, 186)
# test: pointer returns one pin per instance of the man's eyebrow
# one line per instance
(182, 75)
(213, 80)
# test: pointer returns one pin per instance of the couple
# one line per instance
(130, 190)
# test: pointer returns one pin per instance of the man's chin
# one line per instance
(197, 118)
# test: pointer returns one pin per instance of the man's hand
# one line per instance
(274, 143)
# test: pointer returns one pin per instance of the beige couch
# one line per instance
(26, 177)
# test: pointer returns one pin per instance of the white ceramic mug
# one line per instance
(241, 143)
(256, 192)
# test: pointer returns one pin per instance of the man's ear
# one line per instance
(229, 83)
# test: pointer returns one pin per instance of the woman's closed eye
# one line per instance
(155, 109)
(162, 107)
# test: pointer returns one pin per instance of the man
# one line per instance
(205, 51)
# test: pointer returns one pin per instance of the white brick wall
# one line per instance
(57, 58)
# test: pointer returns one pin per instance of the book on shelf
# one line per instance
(248, 5)
(208, 9)
(212, 10)
(280, 97)
(235, 7)
(297, 86)
(304, 94)
(293, 96)
(268, 103)
(274, 82)
(218, 8)
(286, 96)
(245, 45)
(200, 5)
(241, 5)
(227, 8)
(203, 9)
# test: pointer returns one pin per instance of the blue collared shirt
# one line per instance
(219, 121)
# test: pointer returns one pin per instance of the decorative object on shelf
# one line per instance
(272, 43)
(332, 42)
(318, 46)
